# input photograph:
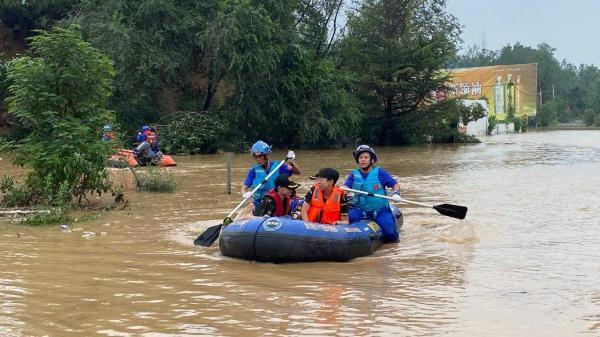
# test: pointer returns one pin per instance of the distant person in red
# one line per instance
(277, 202)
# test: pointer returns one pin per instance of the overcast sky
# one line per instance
(572, 27)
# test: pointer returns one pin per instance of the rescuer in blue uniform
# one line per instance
(260, 152)
(370, 178)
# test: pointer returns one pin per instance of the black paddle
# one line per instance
(210, 235)
(454, 211)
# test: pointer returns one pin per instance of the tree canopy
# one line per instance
(59, 95)
(289, 71)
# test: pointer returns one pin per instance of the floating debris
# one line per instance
(88, 234)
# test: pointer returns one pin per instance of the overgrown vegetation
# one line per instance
(55, 215)
(12, 195)
(288, 71)
(491, 124)
(194, 132)
(58, 95)
(396, 50)
(285, 71)
(155, 179)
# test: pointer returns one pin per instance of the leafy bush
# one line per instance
(21, 195)
(58, 96)
(461, 138)
(14, 196)
(440, 122)
(194, 132)
(524, 123)
(590, 117)
(491, 124)
(52, 217)
(3, 80)
(155, 179)
(551, 112)
(518, 123)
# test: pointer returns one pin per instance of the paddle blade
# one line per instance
(454, 211)
(209, 236)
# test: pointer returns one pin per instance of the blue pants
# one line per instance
(384, 218)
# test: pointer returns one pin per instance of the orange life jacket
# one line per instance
(110, 135)
(326, 212)
(282, 207)
(151, 137)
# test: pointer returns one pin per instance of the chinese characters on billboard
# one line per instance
(507, 88)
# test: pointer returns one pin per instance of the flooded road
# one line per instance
(525, 261)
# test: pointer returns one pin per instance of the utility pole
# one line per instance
(552, 91)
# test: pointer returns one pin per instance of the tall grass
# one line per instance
(54, 216)
(155, 179)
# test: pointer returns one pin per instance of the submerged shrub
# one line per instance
(156, 179)
(12, 196)
(52, 217)
(58, 95)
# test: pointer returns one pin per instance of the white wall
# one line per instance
(503, 128)
(477, 128)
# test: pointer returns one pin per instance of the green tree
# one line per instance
(397, 48)
(3, 84)
(159, 67)
(440, 124)
(241, 39)
(590, 89)
(475, 56)
(193, 132)
(22, 18)
(59, 95)
(274, 62)
(549, 111)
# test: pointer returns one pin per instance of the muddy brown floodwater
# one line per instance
(525, 262)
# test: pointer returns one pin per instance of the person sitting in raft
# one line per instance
(277, 202)
(260, 151)
(152, 139)
(325, 202)
(143, 151)
(296, 205)
(108, 133)
(141, 136)
(373, 179)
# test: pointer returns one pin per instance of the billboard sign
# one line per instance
(506, 88)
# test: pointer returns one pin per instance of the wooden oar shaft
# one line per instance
(385, 197)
